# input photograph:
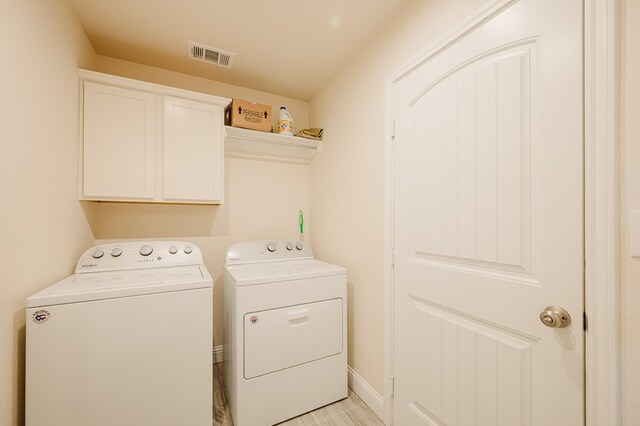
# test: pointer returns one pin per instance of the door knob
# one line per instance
(555, 317)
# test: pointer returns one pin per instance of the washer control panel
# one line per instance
(138, 255)
(267, 251)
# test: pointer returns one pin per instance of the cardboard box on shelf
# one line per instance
(250, 115)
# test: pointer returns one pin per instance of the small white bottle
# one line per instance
(285, 122)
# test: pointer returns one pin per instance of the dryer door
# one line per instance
(281, 338)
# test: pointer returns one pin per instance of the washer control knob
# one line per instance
(173, 249)
(116, 252)
(299, 246)
(289, 246)
(146, 250)
(271, 247)
(188, 249)
(97, 254)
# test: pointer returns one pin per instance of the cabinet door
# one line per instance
(119, 143)
(193, 151)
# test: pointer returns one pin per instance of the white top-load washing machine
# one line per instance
(285, 348)
(124, 341)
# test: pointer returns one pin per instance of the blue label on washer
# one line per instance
(41, 316)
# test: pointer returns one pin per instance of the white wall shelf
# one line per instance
(255, 144)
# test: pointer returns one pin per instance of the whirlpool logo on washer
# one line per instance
(41, 316)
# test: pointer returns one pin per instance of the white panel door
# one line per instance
(488, 224)
(119, 143)
(193, 150)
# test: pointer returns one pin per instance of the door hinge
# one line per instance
(585, 321)
(392, 128)
(391, 385)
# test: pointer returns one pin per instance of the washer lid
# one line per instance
(269, 272)
(109, 285)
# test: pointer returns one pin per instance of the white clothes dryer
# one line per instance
(126, 340)
(285, 348)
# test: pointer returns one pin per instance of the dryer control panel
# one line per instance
(267, 251)
(138, 255)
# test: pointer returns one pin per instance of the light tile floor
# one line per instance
(348, 412)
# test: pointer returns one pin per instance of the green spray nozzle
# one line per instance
(301, 221)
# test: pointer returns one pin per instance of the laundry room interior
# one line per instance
(332, 65)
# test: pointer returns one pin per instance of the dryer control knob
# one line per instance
(116, 252)
(188, 249)
(271, 247)
(173, 249)
(146, 250)
(289, 246)
(97, 254)
(299, 246)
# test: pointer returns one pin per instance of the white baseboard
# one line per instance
(366, 393)
(217, 354)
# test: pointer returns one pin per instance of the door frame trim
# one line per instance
(602, 212)
(601, 204)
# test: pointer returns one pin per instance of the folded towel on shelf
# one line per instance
(314, 133)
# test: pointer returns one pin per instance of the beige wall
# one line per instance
(630, 133)
(43, 228)
(262, 198)
(347, 180)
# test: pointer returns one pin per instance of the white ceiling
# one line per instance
(287, 47)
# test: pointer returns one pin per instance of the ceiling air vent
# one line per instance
(211, 55)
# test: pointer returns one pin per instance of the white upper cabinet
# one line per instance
(149, 143)
(189, 129)
(119, 142)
